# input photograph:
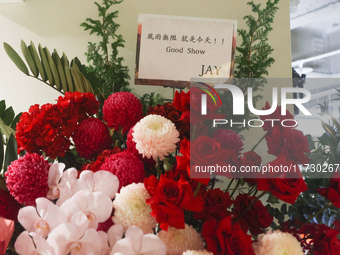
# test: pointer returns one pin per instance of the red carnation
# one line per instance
(94, 166)
(48, 128)
(126, 166)
(122, 110)
(229, 139)
(9, 207)
(27, 178)
(91, 138)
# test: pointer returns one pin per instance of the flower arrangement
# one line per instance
(103, 174)
(139, 198)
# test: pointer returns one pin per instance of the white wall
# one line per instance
(40, 15)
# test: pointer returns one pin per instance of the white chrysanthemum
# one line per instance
(155, 136)
(201, 252)
(131, 208)
(277, 243)
(178, 241)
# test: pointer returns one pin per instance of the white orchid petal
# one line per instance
(87, 181)
(42, 245)
(105, 242)
(115, 233)
(102, 206)
(135, 234)
(124, 246)
(50, 213)
(54, 174)
(61, 237)
(24, 244)
(80, 221)
(91, 242)
(27, 217)
(106, 182)
(152, 245)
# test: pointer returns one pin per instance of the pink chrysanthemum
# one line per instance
(155, 136)
(178, 241)
(27, 178)
(91, 138)
(122, 110)
(201, 252)
(229, 139)
(277, 243)
(126, 166)
(131, 208)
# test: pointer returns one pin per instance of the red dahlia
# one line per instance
(91, 138)
(229, 139)
(122, 110)
(27, 178)
(126, 166)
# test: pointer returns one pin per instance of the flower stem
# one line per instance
(237, 184)
(197, 189)
(318, 212)
(258, 143)
(158, 169)
(232, 180)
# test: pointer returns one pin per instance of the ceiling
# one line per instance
(315, 32)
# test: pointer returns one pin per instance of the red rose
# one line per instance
(183, 162)
(182, 101)
(277, 116)
(296, 144)
(332, 193)
(256, 219)
(274, 141)
(169, 198)
(286, 186)
(216, 204)
(223, 237)
(327, 242)
(207, 151)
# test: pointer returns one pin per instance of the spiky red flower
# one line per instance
(91, 137)
(27, 178)
(126, 166)
(122, 110)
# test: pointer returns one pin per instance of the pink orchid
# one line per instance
(102, 181)
(96, 206)
(110, 238)
(32, 244)
(6, 232)
(62, 184)
(75, 237)
(135, 242)
(42, 219)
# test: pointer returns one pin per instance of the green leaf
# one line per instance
(15, 121)
(14, 56)
(29, 59)
(8, 116)
(45, 65)
(1, 151)
(2, 107)
(11, 151)
(37, 61)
